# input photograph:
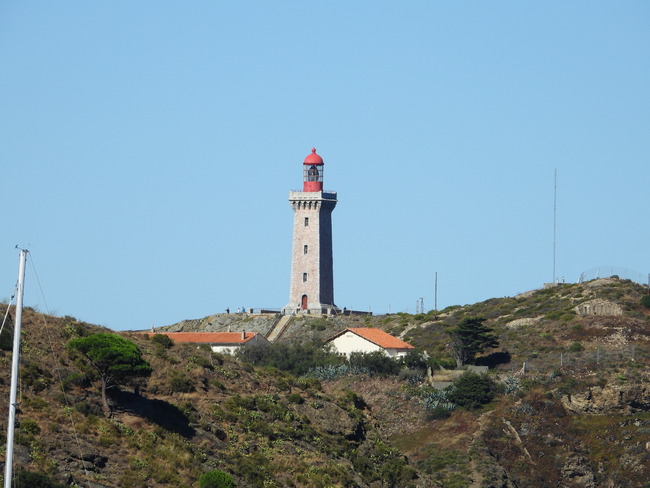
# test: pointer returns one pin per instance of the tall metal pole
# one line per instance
(15, 359)
(435, 299)
(554, 219)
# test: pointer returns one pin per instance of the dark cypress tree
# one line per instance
(471, 337)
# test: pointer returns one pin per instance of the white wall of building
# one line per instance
(348, 343)
(232, 349)
(225, 349)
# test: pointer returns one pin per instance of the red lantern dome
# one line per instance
(313, 158)
(313, 172)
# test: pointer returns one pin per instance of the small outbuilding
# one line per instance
(221, 342)
(367, 339)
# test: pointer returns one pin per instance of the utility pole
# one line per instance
(435, 299)
(554, 220)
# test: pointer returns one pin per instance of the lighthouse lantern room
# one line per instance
(313, 172)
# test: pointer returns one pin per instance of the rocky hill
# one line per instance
(572, 407)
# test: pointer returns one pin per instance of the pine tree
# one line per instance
(471, 337)
(115, 359)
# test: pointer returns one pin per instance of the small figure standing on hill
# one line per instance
(228, 310)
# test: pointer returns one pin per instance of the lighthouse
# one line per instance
(312, 277)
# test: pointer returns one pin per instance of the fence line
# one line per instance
(599, 358)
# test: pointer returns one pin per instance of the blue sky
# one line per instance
(148, 149)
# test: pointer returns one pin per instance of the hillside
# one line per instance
(574, 411)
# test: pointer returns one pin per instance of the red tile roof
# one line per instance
(377, 336)
(208, 337)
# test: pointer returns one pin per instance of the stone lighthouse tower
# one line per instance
(312, 281)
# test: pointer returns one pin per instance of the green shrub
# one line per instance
(294, 398)
(472, 390)
(645, 301)
(201, 361)
(353, 399)
(29, 479)
(414, 360)
(309, 384)
(438, 363)
(576, 347)
(74, 329)
(6, 339)
(297, 359)
(438, 413)
(253, 467)
(567, 317)
(29, 426)
(36, 403)
(216, 479)
(217, 384)
(130, 479)
(179, 383)
(33, 375)
(411, 376)
(318, 324)
(375, 362)
(75, 379)
(164, 341)
(554, 315)
(82, 407)
(236, 402)
(106, 440)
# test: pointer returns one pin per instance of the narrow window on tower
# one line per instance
(306, 221)
(305, 249)
(304, 277)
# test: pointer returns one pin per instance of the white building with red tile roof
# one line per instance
(365, 340)
(221, 342)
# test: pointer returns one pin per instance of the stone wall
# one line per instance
(598, 307)
(225, 322)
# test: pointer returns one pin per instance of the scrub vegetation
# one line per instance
(561, 400)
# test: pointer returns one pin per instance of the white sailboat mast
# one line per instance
(15, 360)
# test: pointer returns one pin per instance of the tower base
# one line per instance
(312, 309)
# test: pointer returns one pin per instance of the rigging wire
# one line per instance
(57, 370)
(8, 308)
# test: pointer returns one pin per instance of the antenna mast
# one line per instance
(435, 298)
(554, 220)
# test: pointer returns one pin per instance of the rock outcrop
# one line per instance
(224, 322)
(598, 307)
(576, 470)
(621, 399)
